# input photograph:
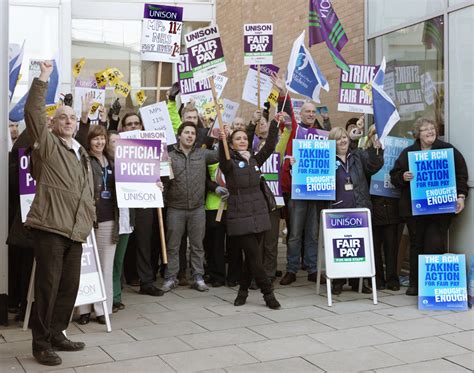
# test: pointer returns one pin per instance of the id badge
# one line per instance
(106, 194)
(348, 186)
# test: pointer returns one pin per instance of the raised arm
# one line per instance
(270, 144)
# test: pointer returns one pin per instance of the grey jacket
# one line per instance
(187, 190)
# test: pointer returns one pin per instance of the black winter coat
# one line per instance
(401, 166)
(385, 210)
(247, 210)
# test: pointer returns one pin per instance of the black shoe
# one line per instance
(365, 289)
(47, 357)
(120, 306)
(68, 345)
(412, 290)
(101, 319)
(115, 308)
(337, 289)
(271, 301)
(253, 285)
(84, 319)
(278, 273)
(241, 298)
(393, 287)
(217, 284)
(288, 278)
(232, 284)
(152, 290)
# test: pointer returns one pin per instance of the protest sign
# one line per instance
(123, 89)
(34, 70)
(297, 103)
(310, 134)
(250, 92)
(51, 110)
(205, 52)
(428, 88)
(229, 111)
(139, 98)
(442, 282)
(348, 243)
(258, 44)
(433, 187)
(156, 118)
(76, 69)
(353, 95)
(83, 87)
(137, 170)
(408, 89)
(26, 183)
(273, 97)
(380, 184)
(101, 78)
(161, 33)
(271, 173)
(209, 109)
(165, 165)
(113, 75)
(314, 173)
(470, 287)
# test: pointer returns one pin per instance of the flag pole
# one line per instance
(258, 87)
(219, 115)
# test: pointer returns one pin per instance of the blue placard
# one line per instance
(442, 282)
(470, 286)
(314, 173)
(433, 188)
(380, 184)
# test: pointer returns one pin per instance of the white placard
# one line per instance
(258, 43)
(83, 87)
(157, 118)
(249, 93)
(230, 111)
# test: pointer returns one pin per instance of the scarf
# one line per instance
(245, 154)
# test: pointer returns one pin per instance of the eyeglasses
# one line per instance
(431, 129)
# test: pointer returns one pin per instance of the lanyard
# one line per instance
(105, 176)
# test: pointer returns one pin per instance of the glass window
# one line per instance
(414, 74)
(384, 14)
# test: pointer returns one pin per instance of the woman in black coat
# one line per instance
(428, 233)
(247, 210)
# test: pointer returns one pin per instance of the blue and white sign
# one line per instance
(380, 184)
(433, 188)
(314, 173)
(442, 282)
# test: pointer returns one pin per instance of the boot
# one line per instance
(241, 298)
(271, 301)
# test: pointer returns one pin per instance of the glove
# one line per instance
(115, 109)
(174, 91)
(222, 192)
(68, 100)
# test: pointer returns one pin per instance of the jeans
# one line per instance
(304, 216)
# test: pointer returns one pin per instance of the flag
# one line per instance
(433, 33)
(304, 76)
(385, 111)
(324, 25)
(14, 66)
(17, 113)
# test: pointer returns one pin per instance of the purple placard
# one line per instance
(348, 249)
(88, 262)
(262, 46)
(137, 161)
(163, 12)
(346, 220)
(206, 52)
(27, 185)
(311, 133)
(352, 95)
(266, 69)
(271, 173)
(187, 85)
(87, 83)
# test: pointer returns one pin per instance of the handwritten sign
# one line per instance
(249, 93)
(156, 118)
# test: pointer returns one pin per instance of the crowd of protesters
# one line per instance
(74, 172)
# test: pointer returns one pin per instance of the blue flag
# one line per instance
(304, 76)
(14, 67)
(17, 113)
(385, 111)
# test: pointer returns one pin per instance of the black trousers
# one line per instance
(58, 269)
(386, 241)
(214, 246)
(20, 263)
(251, 244)
(428, 235)
(234, 259)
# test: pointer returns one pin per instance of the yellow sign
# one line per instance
(367, 88)
(123, 89)
(94, 107)
(140, 97)
(101, 78)
(273, 97)
(51, 110)
(113, 75)
(76, 69)
(209, 110)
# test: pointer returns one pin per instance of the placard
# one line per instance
(161, 33)
(157, 118)
(348, 243)
(442, 282)
(258, 44)
(380, 184)
(82, 88)
(297, 104)
(205, 52)
(410, 98)
(26, 183)
(311, 133)
(271, 173)
(433, 187)
(230, 111)
(314, 173)
(354, 94)
(137, 170)
(249, 93)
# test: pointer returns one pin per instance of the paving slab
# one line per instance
(233, 321)
(298, 313)
(10, 364)
(164, 330)
(407, 312)
(221, 338)
(355, 319)
(400, 300)
(291, 328)
(181, 315)
(463, 339)
(103, 339)
(462, 320)
(295, 364)
(438, 365)
(14, 349)
(144, 365)
(465, 360)
(354, 306)
(417, 328)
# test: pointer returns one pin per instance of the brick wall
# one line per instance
(289, 20)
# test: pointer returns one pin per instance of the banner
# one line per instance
(83, 87)
(258, 44)
(205, 52)
(137, 170)
(271, 173)
(314, 173)
(161, 33)
(410, 98)
(380, 184)
(433, 187)
(26, 184)
(442, 282)
(249, 93)
(311, 134)
(354, 92)
(157, 118)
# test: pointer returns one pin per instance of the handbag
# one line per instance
(268, 195)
